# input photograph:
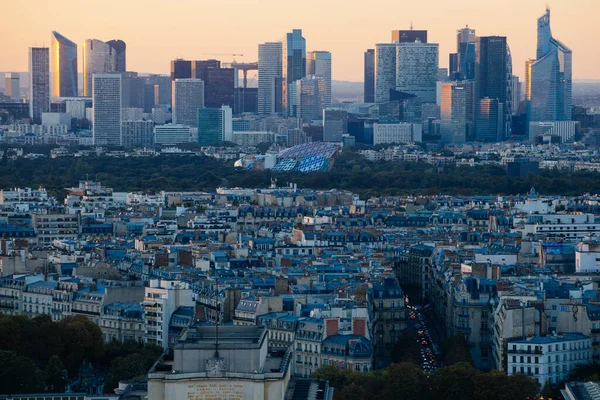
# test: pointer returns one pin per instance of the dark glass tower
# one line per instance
(409, 36)
(294, 67)
(120, 48)
(493, 76)
(181, 69)
(369, 82)
(219, 83)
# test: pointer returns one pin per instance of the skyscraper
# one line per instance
(106, 105)
(12, 85)
(310, 97)
(137, 133)
(98, 58)
(465, 48)
(489, 120)
(181, 69)
(409, 36)
(132, 90)
(188, 97)
(335, 124)
(293, 68)
(214, 125)
(269, 77)
(162, 88)
(64, 66)
(318, 63)
(527, 87)
(516, 94)
(39, 82)
(417, 69)
(457, 111)
(493, 77)
(385, 71)
(551, 77)
(369, 80)
(218, 82)
(120, 49)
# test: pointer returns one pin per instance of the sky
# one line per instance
(159, 31)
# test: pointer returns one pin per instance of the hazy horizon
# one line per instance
(157, 32)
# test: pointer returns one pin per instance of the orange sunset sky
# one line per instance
(158, 31)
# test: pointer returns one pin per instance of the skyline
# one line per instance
(161, 34)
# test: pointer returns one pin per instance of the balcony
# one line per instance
(524, 351)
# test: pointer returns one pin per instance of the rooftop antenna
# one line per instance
(411, 25)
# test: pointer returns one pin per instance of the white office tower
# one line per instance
(402, 133)
(227, 118)
(39, 82)
(98, 58)
(269, 78)
(417, 69)
(385, 71)
(188, 97)
(76, 108)
(137, 133)
(318, 63)
(12, 85)
(171, 134)
(106, 103)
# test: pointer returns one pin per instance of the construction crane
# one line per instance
(219, 54)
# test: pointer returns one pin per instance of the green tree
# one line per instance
(128, 367)
(19, 374)
(455, 350)
(54, 375)
(455, 382)
(404, 381)
(406, 348)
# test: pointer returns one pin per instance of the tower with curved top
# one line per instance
(63, 66)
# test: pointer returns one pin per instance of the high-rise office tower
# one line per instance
(493, 78)
(181, 69)
(269, 77)
(120, 49)
(162, 88)
(516, 94)
(218, 82)
(214, 125)
(12, 85)
(318, 63)
(453, 67)
(457, 111)
(293, 68)
(335, 124)
(106, 105)
(39, 82)
(527, 86)
(98, 58)
(310, 98)
(409, 36)
(551, 76)
(369, 80)
(137, 133)
(465, 49)
(132, 89)
(385, 71)
(64, 66)
(188, 97)
(489, 120)
(417, 69)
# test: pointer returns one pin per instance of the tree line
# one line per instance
(350, 171)
(40, 355)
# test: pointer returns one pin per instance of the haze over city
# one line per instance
(157, 32)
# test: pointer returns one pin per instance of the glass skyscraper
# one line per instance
(120, 49)
(214, 125)
(318, 63)
(98, 58)
(493, 79)
(269, 78)
(63, 56)
(369, 81)
(293, 68)
(551, 77)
